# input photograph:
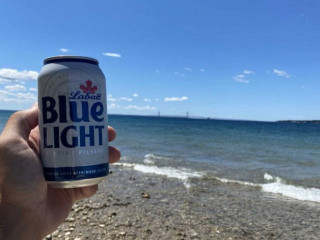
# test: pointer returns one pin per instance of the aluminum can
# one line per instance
(73, 121)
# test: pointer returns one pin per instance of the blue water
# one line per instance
(4, 115)
(284, 149)
(282, 158)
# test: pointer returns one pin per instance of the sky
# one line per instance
(231, 59)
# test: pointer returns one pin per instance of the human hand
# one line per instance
(29, 208)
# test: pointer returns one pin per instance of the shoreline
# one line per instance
(135, 205)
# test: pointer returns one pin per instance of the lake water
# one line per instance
(278, 158)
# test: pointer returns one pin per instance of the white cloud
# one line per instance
(140, 108)
(156, 99)
(241, 78)
(3, 92)
(113, 106)
(116, 55)
(33, 89)
(7, 96)
(179, 74)
(175, 99)
(248, 72)
(13, 75)
(27, 96)
(280, 73)
(188, 69)
(147, 100)
(126, 99)
(135, 95)
(16, 87)
(111, 99)
(64, 50)
(3, 81)
(202, 70)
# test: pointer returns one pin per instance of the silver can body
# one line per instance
(73, 122)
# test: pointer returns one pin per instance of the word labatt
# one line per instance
(78, 95)
(53, 112)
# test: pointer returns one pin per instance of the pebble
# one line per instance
(71, 219)
(145, 195)
(102, 225)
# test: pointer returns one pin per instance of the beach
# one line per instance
(136, 205)
(181, 178)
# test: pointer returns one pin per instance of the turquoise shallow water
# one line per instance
(281, 158)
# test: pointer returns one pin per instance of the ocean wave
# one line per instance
(151, 159)
(182, 174)
(274, 185)
(224, 180)
(278, 186)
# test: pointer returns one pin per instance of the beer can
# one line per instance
(73, 121)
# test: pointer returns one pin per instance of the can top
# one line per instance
(58, 59)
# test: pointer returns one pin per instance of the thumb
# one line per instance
(22, 122)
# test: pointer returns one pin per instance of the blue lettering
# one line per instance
(86, 96)
(84, 135)
(64, 135)
(74, 112)
(78, 138)
(48, 104)
(45, 143)
(73, 135)
(96, 111)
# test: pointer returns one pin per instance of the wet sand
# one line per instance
(133, 205)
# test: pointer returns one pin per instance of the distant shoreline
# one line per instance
(202, 118)
(299, 121)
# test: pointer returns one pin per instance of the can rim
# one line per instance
(66, 58)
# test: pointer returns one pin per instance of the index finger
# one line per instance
(21, 123)
(111, 134)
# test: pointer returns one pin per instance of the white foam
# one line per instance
(278, 186)
(296, 192)
(267, 176)
(275, 184)
(181, 174)
(152, 156)
(300, 193)
(224, 180)
(149, 159)
(124, 164)
(170, 172)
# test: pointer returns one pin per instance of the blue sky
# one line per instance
(256, 60)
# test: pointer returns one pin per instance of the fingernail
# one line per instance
(35, 105)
